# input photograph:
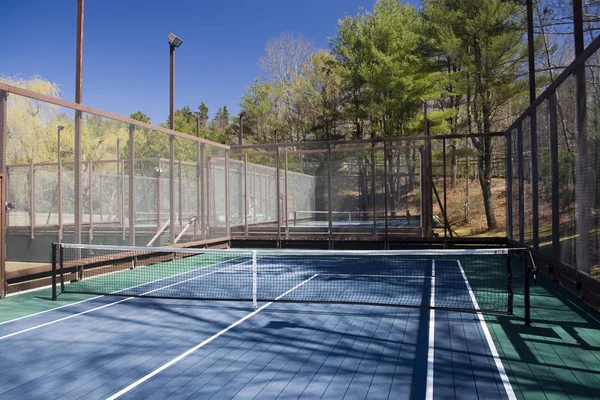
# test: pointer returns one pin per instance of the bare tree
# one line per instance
(285, 55)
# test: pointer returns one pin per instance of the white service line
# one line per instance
(116, 302)
(503, 376)
(200, 345)
(431, 346)
(97, 297)
(51, 309)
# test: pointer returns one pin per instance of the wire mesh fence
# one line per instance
(554, 161)
(104, 179)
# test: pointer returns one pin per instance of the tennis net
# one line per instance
(472, 279)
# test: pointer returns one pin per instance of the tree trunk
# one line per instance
(453, 163)
(484, 166)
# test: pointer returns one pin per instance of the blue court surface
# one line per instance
(126, 347)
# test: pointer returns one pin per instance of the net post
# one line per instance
(509, 275)
(526, 289)
(61, 268)
(254, 280)
(54, 271)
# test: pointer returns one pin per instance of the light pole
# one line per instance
(241, 135)
(174, 42)
(197, 125)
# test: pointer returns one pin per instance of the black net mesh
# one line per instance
(456, 279)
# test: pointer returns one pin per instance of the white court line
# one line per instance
(431, 345)
(379, 276)
(200, 345)
(503, 376)
(112, 304)
(97, 297)
(51, 309)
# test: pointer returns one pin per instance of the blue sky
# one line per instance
(126, 53)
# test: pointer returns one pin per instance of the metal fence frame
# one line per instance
(572, 274)
(231, 155)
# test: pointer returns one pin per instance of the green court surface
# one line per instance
(24, 304)
(558, 356)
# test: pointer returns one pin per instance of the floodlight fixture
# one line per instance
(60, 128)
(174, 40)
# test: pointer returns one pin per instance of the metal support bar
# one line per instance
(54, 255)
(227, 199)
(2, 238)
(521, 184)
(158, 193)
(446, 223)
(185, 228)
(3, 135)
(209, 194)
(255, 192)
(277, 195)
(77, 177)
(534, 179)
(161, 229)
(172, 188)
(3, 189)
(101, 190)
(509, 179)
(122, 200)
(91, 200)
(132, 185)
(526, 288)
(373, 191)
(552, 110)
(246, 195)
(180, 198)
(285, 200)
(426, 176)
(385, 188)
(329, 192)
(582, 190)
(202, 215)
(199, 215)
(31, 200)
(510, 288)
